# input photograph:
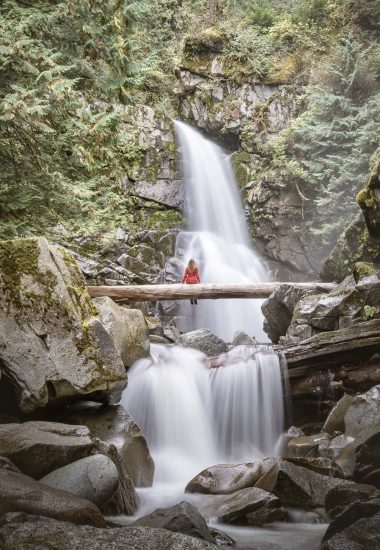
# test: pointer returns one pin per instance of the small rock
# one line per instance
(241, 338)
(252, 505)
(307, 446)
(181, 518)
(203, 340)
(225, 478)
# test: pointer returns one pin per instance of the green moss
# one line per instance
(368, 313)
(87, 347)
(18, 259)
(362, 270)
(366, 198)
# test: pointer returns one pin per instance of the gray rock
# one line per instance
(241, 338)
(278, 309)
(335, 419)
(52, 346)
(339, 498)
(22, 532)
(20, 493)
(94, 478)
(251, 505)
(296, 485)
(38, 448)
(307, 445)
(127, 328)
(203, 340)
(164, 191)
(356, 528)
(114, 425)
(125, 501)
(182, 518)
(362, 423)
(225, 478)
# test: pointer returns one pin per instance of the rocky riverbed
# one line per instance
(71, 456)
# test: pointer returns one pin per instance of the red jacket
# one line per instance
(191, 278)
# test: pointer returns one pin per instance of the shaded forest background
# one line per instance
(69, 69)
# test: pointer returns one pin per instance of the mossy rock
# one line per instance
(52, 345)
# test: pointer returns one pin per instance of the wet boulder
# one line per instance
(94, 478)
(20, 493)
(203, 340)
(52, 345)
(39, 447)
(127, 328)
(113, 425)
(296, 485)
(252, 505)
(225, 478)
(21, 531)
(182, 518)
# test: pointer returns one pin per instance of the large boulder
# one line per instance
(251, 505)
(335, 420)
(279, 307)
(356, 528)
(181, 518)
(225, 478)
(22, 532)
(20, 493)
(339, 498)
(203, 340)
(362, 432)
(166, 192)
(38, 447)
(127, 328)
(296, 485)
(115, 426)
(52, 345)
(94, 478)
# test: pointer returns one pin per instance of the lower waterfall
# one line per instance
(194, 416)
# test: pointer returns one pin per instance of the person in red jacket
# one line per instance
(191, 276)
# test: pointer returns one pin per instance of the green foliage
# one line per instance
(368, 313)
(329, 148)
(62, 153)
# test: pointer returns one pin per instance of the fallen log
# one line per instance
(152, 293)
(332, 349)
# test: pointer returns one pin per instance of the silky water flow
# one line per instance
(217, 238)
(194, 416)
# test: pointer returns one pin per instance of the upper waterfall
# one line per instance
(217, 237)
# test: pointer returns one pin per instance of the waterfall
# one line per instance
(217, 238)
(194, 416)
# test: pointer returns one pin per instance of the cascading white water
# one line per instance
(194, 416)
(217, 237)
